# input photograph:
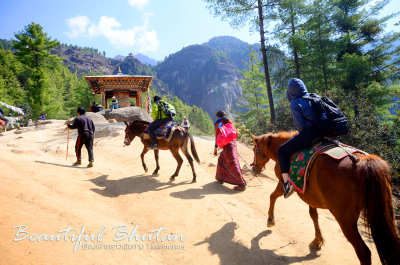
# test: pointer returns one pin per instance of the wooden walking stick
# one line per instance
(67, 140)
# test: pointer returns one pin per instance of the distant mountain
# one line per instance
(119, 57)
(236, 50)
(145, 59)
(203, 76)
(141, 57)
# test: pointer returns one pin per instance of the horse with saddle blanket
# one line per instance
(170, 136)
(346, 181)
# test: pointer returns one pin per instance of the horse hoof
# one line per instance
(155, 172)
(315, 244)
(172, 178)
(270, 223)
(194, 181)
(146, 169)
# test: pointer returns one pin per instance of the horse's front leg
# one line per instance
(318, 240)
(145, 150)
(157, 165)
(274, 195)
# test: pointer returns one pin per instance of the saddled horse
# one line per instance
(179, 140)
(345, 187)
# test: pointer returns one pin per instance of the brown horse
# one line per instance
(347, 189)
(179, 140)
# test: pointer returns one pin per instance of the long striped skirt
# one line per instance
(228, 168)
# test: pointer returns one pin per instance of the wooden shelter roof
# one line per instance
(119, 81)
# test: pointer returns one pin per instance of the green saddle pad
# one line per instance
(301, 161)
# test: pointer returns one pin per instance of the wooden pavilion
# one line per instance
(123, 87)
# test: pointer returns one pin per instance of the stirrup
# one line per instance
(288, 189)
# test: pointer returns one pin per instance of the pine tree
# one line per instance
(254, 96)
(33, 50)
(11, 90)
(364, 54)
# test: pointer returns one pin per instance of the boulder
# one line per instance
(127, 114)
(96, 117)
(109, 130)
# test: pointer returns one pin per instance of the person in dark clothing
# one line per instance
(86, 130)
(302, 114)
(159, 118)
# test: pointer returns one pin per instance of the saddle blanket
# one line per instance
(302, 161)
(164, 132)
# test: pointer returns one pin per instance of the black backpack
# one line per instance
(330, 119)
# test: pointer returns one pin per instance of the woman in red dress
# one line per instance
(228, 168)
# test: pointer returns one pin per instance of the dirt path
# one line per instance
(40, 193)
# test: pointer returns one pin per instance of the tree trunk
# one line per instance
(295, 54)
(265, 61)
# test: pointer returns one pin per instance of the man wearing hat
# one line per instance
(159, 118)
(114, 103)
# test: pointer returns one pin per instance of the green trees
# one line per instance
(32, 49)
(254, 96)
(200, 121)
(38, 81)
(11, 90)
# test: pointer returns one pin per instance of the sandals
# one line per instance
(239, 188)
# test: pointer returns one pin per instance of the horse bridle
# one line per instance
(127, 134)
(257, 150)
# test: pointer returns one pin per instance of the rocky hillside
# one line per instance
(236, 50)
(203, 76)
(85, 61)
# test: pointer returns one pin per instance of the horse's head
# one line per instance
(266, 148)
(134, 129)
(128, 134)
(261, 156)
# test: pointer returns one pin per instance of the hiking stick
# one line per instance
(67, 140)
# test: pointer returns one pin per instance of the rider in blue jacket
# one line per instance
(302, 114)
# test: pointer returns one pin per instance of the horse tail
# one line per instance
(193, 148)
(378, 208)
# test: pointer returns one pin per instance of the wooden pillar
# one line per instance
(138, 103)
(103, 99)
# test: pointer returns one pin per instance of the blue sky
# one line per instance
(155, 28)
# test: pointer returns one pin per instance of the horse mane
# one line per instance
(270, 142)
(137, 127)
(139, 122)
(279, 136)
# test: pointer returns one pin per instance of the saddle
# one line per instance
(302, 161)
(164, 132)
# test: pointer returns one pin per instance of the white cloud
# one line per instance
(142, 38)
(138, 3)
(77, 26)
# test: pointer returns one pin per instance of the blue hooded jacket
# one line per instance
(300, 108)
